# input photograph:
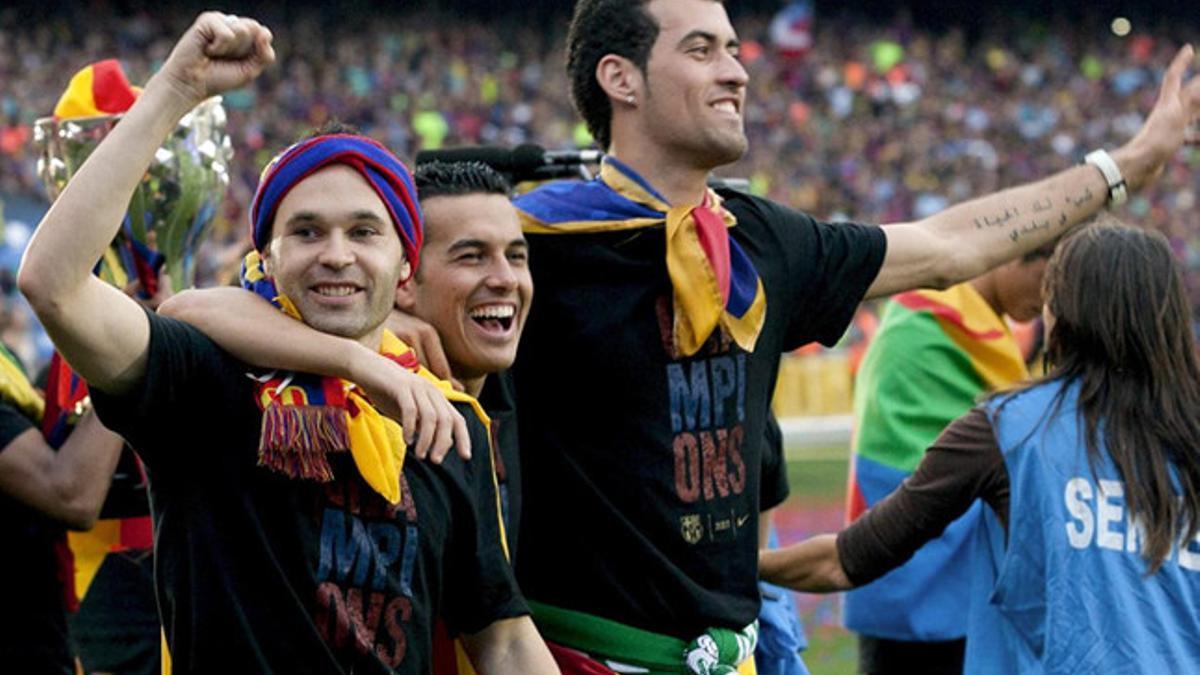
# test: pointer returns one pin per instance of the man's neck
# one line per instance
(680, 184)
(985, 285)
(372, 340)
(473, 386)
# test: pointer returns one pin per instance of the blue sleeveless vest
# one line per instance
(1067, 591)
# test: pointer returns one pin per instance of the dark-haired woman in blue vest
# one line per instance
(1088, 560)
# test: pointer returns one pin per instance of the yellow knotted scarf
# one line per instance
(713, 281)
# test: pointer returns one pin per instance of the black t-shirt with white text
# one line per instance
(258, 572)
(642, 469)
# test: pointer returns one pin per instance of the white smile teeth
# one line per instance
(726, 106)
(493, 312)
(336, 291)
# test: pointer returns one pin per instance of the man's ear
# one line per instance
(267, 262)
(406, 297)
(620, 79)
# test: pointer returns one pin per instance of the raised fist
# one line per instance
(218, 53)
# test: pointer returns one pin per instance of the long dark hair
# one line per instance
(1122, 329)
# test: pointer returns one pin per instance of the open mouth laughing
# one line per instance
(494, 318)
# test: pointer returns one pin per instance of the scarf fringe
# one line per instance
(296, 439)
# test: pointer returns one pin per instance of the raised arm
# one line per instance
(103, 333)
(966, 240)
(68, 485)
(962, 465)
(277, 341)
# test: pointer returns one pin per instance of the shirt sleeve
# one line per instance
(828, 268)
(775, 488)
(12, 424)
(963, 464)
(181, 379)
(480, 585)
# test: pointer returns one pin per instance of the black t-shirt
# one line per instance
(33, 621)
(642, 469)
(499, 400)
(258, 572)
(774, 468)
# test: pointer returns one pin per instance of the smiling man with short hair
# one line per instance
(291, 534)
(669, 304)
(473, 284)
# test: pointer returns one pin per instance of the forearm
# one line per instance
(1013, 222)
(103, 334)
(968, 239)
(509, 646)
(253, 330)
(83, 470)
(812, 566)
(964, 241)
(68, 485)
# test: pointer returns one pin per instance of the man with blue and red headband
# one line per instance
(292, 535)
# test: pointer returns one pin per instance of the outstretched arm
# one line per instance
(278, 341)
(510, 646)
(68, 485)
(963, 464)
(103, 333)
(812, 566)
(966, 240)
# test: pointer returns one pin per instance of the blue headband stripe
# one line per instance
(389, 178)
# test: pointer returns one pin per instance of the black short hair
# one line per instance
(331, 127)
(599, 28)
(441, 179)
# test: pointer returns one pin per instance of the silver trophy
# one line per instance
(172, 209)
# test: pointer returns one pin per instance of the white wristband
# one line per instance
(1117, 194)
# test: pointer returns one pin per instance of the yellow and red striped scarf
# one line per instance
(306, 417)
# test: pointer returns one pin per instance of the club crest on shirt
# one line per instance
(691, 528)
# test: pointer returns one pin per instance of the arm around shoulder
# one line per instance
(254, 331)
(251, 329)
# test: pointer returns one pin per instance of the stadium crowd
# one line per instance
(882, 123)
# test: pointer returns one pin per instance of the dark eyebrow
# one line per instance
(303, 217)
(479, 243)
(708, 37)
(703, 34)
(366, 215)
(466, 243)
